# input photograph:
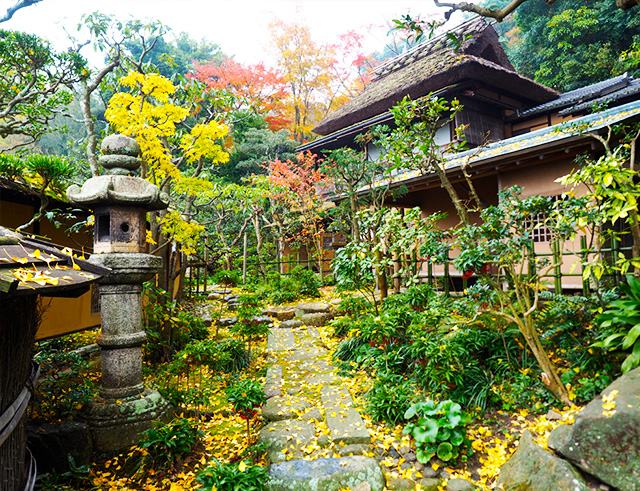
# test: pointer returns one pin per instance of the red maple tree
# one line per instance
(255, 87)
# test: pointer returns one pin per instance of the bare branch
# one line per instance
(17, 6)
(497, 14)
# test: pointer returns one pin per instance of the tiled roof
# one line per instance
(609, 89)
(528, 142)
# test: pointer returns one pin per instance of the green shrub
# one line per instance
(169, 326)
(419, 296)
(246, 396)
(342, 326)
(354, 306)
(277, 288)
(464, 363)
(227, 356)
(249, 324)
(228, 277)
(389, 398)
(621, 322)
(307, 282)
(241, 476)
(438, 430)
(166, 443)
(355, 350)
(63, 388)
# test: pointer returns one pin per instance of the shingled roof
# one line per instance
(434, 65)
(32, 266)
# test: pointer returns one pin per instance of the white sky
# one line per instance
(240, 27)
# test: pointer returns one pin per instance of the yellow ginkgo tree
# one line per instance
(181, 137)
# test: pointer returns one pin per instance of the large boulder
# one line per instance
(532, 468)
(332, 474)
(604, 441)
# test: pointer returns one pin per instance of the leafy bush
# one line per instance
(169, 326)
(166, 443)
(279, 288)
(63, 388)
(249, 324)
(621, 322)
(438, 430)
(354, 306)
(342, 326)
(228, 355)
(246, 396)
(241, 476)
(419, 296)
(308, 283)
(228, 277)
(389, 398)
(464, 363)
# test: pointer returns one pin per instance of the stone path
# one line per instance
(316, 436)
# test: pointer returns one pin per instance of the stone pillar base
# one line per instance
(116, 424)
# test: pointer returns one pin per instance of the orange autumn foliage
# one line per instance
(319, 77)
(255, 87)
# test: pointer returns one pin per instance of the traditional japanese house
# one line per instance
(520, 132)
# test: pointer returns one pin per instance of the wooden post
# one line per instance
(206, 267)
(531, 258)
(614, 256)
(244, 259)
(396, 273)
(584, 253)
(430, 272)
(557, 266)
(446, 275)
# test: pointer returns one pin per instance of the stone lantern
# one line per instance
(120, 202)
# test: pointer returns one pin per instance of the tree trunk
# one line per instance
(355, 228)
(551, 378)
(381, 277)
(453, 194)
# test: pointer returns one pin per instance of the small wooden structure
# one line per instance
(29, 269)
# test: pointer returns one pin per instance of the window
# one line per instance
(373, 152)
(535, 223)
(443, 135)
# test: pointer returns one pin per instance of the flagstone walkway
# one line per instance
(315, 435)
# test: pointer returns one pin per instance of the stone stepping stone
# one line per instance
(312, 307)
(279, 408)
(316, 318)
(327, 474)
(281, 435)
(326, 378)
(344, 422)
(273, 381)
(308, 353)
(280, 340)
(281, 313)
(290, 324)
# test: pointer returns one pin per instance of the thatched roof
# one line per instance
(434, 65)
